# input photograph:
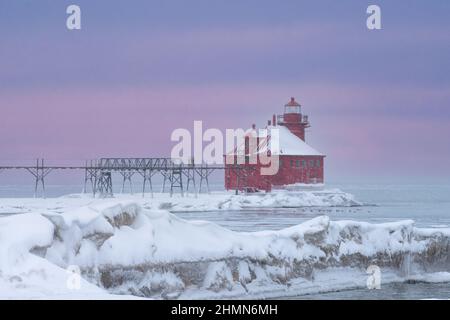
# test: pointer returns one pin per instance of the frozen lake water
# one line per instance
(427, 205)
(400, 291)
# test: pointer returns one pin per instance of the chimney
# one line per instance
(274, 120)
(268, 122)
(253, 126)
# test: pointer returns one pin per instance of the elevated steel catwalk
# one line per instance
(99, 173)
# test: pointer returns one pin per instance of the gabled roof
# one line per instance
(289, 143)
(292, 145)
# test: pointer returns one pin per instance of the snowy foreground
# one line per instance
(126, 250)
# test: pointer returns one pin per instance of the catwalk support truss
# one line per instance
(98, 174)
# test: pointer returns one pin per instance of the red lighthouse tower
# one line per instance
(293, 119)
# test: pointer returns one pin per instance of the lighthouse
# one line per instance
(298, 162)
(293, 118)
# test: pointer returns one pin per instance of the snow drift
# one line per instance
(125, 249)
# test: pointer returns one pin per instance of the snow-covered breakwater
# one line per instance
(125, 249)
(221, 200)
(276, 199)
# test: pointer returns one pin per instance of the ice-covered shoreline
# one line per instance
(124, 248)
(317, 197)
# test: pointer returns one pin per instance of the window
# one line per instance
(304, 163)
(318, 163)
(311, 163)
(292, 163)
(297, 163)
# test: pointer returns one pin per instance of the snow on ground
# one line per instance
(123, 248)
(305, 197)
(26, 275)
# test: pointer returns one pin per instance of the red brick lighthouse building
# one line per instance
(284, 137)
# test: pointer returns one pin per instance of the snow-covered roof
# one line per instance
(289, 143)
(292, 145)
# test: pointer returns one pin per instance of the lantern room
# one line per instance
(293, 118)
